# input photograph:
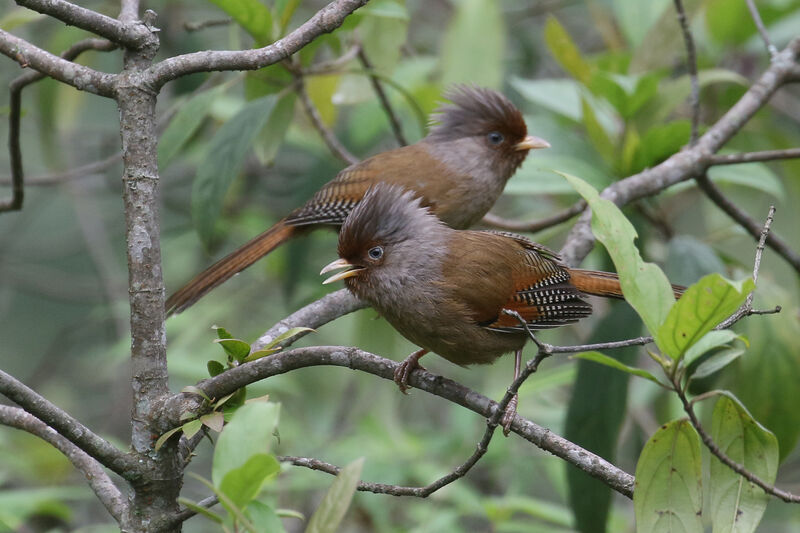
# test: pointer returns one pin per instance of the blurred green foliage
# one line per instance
(603, 80)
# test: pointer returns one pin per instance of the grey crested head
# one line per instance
(387, 215)
(476, 111)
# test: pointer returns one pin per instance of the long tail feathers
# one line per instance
(228, 266)
(606, 284)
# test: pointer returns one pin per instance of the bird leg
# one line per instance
(511, 408)
(404, 369)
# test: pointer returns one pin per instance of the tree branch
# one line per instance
(762, 31)
(325, 20)
(689, 162)
(78, 434)
(356, 359)
(133, 35)
(538, 225)
(752, 157)
(105, 490)
(691, 63)
(78, 76)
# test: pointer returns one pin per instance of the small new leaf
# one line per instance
(191, 389)
(163, 438)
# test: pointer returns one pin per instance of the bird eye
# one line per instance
(495, 138)
(375, 253)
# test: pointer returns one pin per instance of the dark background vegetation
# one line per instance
(63, 289)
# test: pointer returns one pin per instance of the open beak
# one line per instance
(531, 143)
(336, 265)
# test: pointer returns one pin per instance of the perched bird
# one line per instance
(459, 170)
(446, 290)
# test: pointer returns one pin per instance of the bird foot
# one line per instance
(404, 369)
(508, 415)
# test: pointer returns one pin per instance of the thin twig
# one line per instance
(538, 225)
(327, 135)
(334, 65)
(751, 5)
(746, 221)
(77, 173)
(387, 106)
(752, 157)
(105, 490)
(691, 64)
(15, 112)
(185, 514)
(747, 307)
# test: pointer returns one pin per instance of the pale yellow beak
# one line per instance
(336, 265)
(531, 143)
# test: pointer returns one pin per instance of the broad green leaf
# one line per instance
(597, 135)
(229, 505)
(661, 141)
(242, 484)
(248, 433)
(184, 125)
(689, 259)
(272, 134)
(222, 333)
(383, 31)
(163, 438)
(215, 368)
(236, 348)
(261, 353)
(251, 15)
(704, 305)
(465, 58)
(226, 152)
(264, 517)
(603, 359)
(728, 22)
(736, 504)
(644, 285)
(199, 509)
(334, 504)
(321, 90)
(756, 176)
(716, 362)
(709, 341)
(191, 428)
(668, 495)
(565, 51)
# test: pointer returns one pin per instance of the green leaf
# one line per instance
(251, 15)
(716, 362)
(163, 438)
(236, 348)
(231, 507)
(661, 141)
(704, 305)
(668, 495)
(603, 359)
(736, 504)
(597, 135)
(468, 59)
(709, 341)
(334, 504)
(213, 420)
(272, 134)
(757, 176)
(184, 125)
(248, 433)
(565, 51)
(199, 509)
(222, 333)
(644, 285)
(215, 368)
(226, 152)
(264, 517)
(729, 22)
(258, 354)
(191, 428)
(242, 484)
(290, 513)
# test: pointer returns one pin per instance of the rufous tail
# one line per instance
(606, 284)
(228, 266)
